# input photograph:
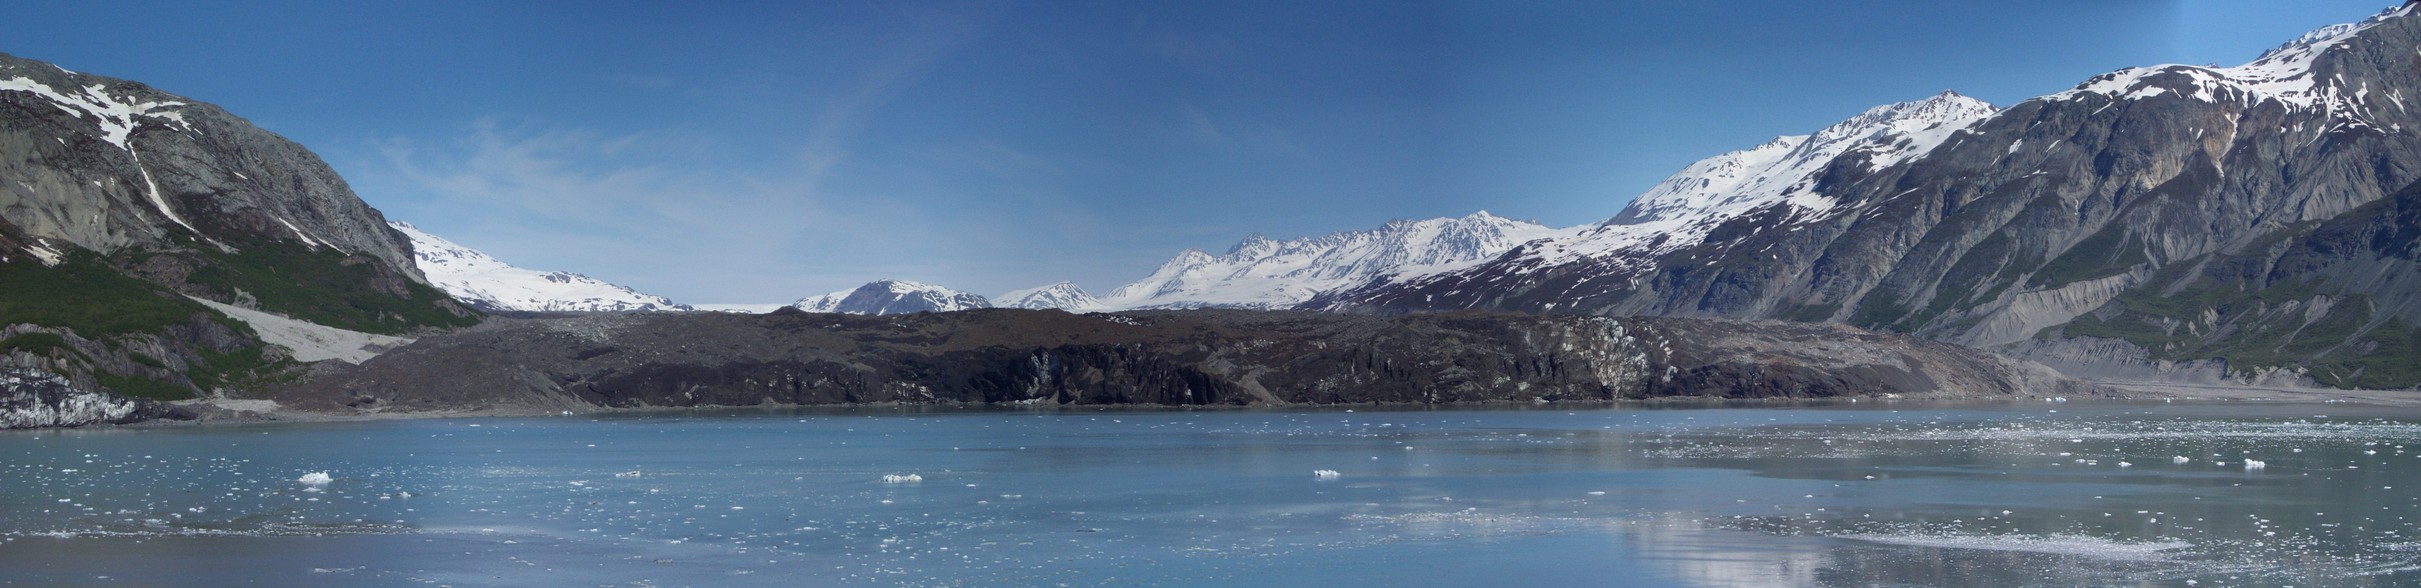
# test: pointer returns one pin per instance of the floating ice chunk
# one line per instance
(899, 479)
(2255, 464)
(2181, 459)
(1326, 474)
(315, 479)
(628, 474)
(2125, 465)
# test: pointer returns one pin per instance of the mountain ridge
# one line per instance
(2033, 228)
(491, 284)
(885, 297)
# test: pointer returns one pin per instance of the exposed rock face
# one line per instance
(1161, 358)
(2231, 192)
(108, 164)
(119, 201)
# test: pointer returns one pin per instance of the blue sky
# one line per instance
(761, 152)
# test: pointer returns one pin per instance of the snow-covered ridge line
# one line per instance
(893, 297)
(492, 284)
(1062, 295)
(1260, 272)
(1680, 211)
(2282, 74)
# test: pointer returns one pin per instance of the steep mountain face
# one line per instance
(490, 284)
(107, 165)
(121, 204)
(893, 297)
(1263, 273)
(2183, 213)
(189, 197)
(1063, 296)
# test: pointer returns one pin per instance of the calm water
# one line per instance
(2043, 494)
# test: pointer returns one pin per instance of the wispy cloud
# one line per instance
(660, 211)
(895, 66)
(1195, 126)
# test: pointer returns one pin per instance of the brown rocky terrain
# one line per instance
(1169, 358)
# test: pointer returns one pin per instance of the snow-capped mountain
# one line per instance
(1063, 296)
(1264, 273)
(491, 284)
(1679, 212)
(893, 297)
(2148, 222)
(1682, 210)
(1783, 168)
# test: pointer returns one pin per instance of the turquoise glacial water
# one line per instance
(2013, 494)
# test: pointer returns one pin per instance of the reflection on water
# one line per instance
(1912, 494)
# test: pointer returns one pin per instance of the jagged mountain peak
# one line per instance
(1061, 295)
(1260, 272)
(2292, 74)
(884, 297)
(1946, 107)
(1683, 209)
(491, 284)
(2149, 222)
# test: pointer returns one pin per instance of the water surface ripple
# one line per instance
(2021, 494)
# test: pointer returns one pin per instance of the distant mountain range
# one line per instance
(2258, 223)
(1264, 273)
(2237, 224)
(893, 297)
(1062, 295)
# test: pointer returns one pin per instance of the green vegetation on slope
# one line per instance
(85, 295)
(325, 287)
(142, 387)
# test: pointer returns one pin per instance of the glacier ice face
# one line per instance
(35, 398)
(491, 284)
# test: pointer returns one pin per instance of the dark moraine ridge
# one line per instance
(1173, 358)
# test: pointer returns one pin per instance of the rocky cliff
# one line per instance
(1203, 357)
(120, 204)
